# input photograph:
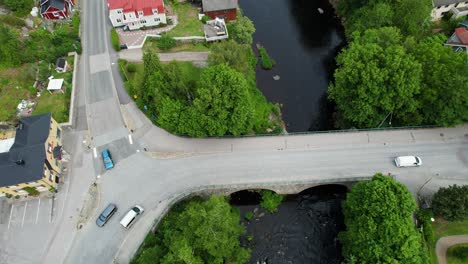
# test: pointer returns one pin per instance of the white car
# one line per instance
(130, 217)
(408, 161)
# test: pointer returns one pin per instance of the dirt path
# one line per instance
(445, 242)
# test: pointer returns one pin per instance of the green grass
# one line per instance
(188, 23)
(445, 228)
(55, 103)
(452, 257)
(152, 44)
(115, 39)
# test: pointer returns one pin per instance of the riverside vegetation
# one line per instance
(395, 71)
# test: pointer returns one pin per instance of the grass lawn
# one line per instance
(151, 44)
(453, 258)
(17, 84)
(188, 23)
(445, 228)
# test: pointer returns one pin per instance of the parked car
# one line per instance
(130, 217)
(106, 214)
(408, 161)
(107, 158)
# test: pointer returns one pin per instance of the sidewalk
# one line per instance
(445, 242)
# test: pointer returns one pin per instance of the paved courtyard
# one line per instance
(137, 37)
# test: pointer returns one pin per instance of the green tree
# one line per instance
(198, 232)
(21, 7)
(412, 17)
(376, 77)
(451, 202)
(238, 56)
(9, 48)
(369, 16)
(270, 201)
(241, 30)
(379, 225)
(444, 96)
(166, 42)
(223, 102)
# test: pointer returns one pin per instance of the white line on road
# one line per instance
(130, 139)
(50, 218)
(38, 208)
(24, 213)
(94, 152)
(11, 213)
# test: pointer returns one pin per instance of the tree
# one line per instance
(270, 201)
(198, 232)
(19, 6)
(379, 226)
(444, 96)
(237, 56)
(9, 49)
(376, 77)
(451, 202)
(166, 42)
(241, 30)
(369, 16)
(412, 17)
(223, 102)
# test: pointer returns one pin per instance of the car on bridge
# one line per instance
(107, 159)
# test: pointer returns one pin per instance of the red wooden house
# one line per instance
(56, 9)
(226, 9)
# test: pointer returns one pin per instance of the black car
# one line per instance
(106, 215)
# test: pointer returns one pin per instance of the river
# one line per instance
(304, 43)
(303, 231)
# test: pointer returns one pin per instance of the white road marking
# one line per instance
(130, 139)
(99, 176)
(95, 152)
(50, 218)
(24, 213)
(11, 213)
(138, 150)
(38, 208)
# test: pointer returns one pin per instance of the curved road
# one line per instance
(445, 242)
(153, 183)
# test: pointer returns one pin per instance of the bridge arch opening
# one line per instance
(326, 188)
(247, 197)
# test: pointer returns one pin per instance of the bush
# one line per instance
(248, 216)
(461, 253)
(166, 42)
(12, 21)
(17, 196)
(451, 203)
(31, 191)
(131, 68)
(8, 195)
(115, 40)
(266, 62)
(205, 18)
(270, 201)
(424, 217)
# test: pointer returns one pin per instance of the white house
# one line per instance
(135, 14)
(441, 7)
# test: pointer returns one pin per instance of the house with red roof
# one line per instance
(56, 9)
(459, 40)
(135, 14)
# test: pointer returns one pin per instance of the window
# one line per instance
(155, 11)
(143, 21)
(50, 176)
(55, 14)
(59, 133)
(119, 20)
(157, 19)
(49, 149)
(119, 12)
(140, 13)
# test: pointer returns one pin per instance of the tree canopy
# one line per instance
(444, 84)
(9, 49)
(21, 7)
(197, 232)
(241, 30)
(451, 202)
(379, 225)
(376, 77)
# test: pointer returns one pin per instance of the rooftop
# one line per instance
(146, 6)
(214, 5)
(446, 2)
(25, 160)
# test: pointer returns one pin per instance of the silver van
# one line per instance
(130, 217)
(408, 161)
(106, 215)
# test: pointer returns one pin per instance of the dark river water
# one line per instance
(303, 231)
(303, 43)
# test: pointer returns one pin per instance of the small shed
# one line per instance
(61, 65)
(55, 85)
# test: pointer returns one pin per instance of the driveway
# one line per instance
(445, 242)
(136, 55)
